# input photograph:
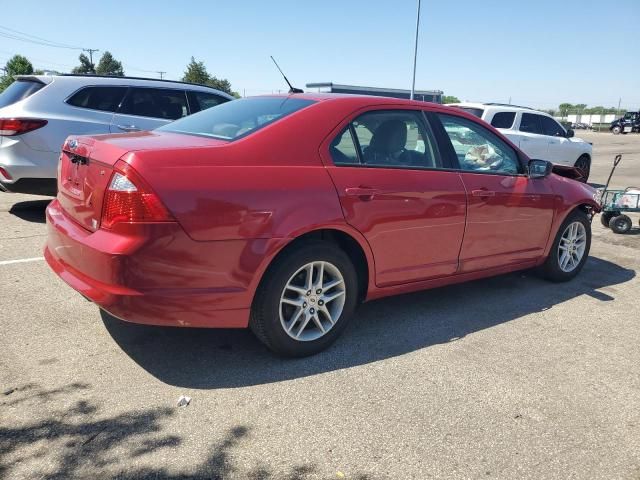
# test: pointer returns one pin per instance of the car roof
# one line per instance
(89, 79)
(499, 107)
(360, 100)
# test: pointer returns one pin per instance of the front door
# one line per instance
(392, 187)
(509, 215)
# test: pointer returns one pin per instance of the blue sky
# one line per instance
(539, 53)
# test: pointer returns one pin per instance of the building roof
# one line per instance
(372, 89)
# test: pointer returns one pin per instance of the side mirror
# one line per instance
(540, 168)
(570, 133)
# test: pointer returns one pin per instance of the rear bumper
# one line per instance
(154, 274)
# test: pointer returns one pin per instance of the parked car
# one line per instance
(537, 134)
(282, 213)
(37, 113)
(627, 124)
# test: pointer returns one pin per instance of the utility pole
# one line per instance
(415, 53)
(618, 110)
(509, 100)
(161, 75)
(90, 50)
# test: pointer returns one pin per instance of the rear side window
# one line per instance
(19, 90)
(105, 99)
(162, 103)
(530, 123)
(239, 118)
(503, 119)
(343, 149)
(199, 101)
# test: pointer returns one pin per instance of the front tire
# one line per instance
(570, 248)
(305, 300)
(616, 130)
(584, 165)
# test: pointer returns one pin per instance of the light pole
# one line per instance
(415, 53)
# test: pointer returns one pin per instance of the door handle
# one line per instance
(483, 193)
(128, 128)
(360, 192)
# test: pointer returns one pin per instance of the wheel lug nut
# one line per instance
(312, 311)
(320, 302)
(319, 291)
(304, 305)
(308, 292)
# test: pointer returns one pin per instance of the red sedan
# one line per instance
(282, 213)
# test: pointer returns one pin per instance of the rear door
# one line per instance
(393, 188)
(532, 140)
(146, 108)
(509, 215)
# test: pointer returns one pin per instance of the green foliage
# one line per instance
(565, 109)
(85, 65)
(450, 99)
(17, 65)
(109, 66)
(197, 73)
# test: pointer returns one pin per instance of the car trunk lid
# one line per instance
(85, 168)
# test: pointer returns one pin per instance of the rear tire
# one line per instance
(294, 319)
(620, 224)
(605, 217)
(573, 240)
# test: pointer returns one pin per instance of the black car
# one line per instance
(629, 123)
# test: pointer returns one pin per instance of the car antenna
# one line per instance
(292, 89)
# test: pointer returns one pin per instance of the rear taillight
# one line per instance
(128, 199)
(17, 126)
(4, 174)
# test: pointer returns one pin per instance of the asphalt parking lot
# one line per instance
(509, 377)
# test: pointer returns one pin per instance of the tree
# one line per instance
(109, 66)
(17, 65)
(564, 109)
(450, 99)
(85, 65)
(197, 73)
(580, 106)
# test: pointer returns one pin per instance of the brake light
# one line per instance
(17, 126)
(4, 174)
(129, 200)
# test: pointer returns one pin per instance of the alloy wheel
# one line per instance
(572, 246)
(312, 301)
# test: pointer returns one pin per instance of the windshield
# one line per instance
(237, 118)
(19, 90)
(473, 111)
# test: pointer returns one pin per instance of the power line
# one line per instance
(60, 45)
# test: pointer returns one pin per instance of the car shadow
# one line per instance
(31, 211)
(212, 358)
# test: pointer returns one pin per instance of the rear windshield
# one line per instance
(473, 111)
(237, 118)
(19, 90)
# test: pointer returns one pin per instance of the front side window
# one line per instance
(503, 119)
(389, 138)
(551, 127)
(530, 123)
(105, 99)
(239, 118)
(202, 100)
(155, 103)
(479, 150)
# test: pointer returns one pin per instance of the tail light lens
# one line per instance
(4, 174)
(17, 126)
(129, 199)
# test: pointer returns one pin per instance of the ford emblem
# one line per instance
(73, 143)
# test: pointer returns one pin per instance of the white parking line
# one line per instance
(21, 260)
